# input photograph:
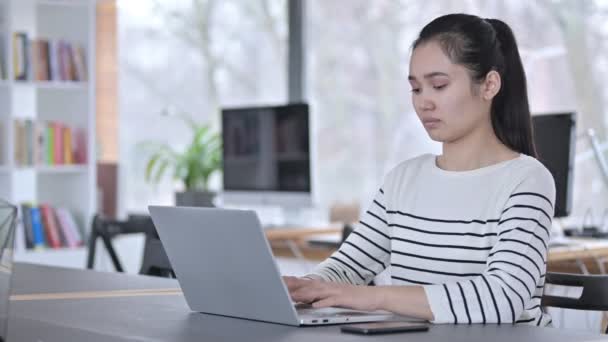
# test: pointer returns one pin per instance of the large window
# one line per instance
(191, 57)
(196, 56)
(358, 60)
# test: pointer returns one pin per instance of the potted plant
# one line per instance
(193, 166)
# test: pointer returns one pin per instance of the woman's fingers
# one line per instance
(325, 303)
(315, 291)
(294, 283)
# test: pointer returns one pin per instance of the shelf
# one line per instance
(51, 169)
(66, 257)
(69, 3)
(67, 85)
(61, 169)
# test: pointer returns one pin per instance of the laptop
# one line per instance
(225, 266)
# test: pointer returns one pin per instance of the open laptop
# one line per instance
(225, 266)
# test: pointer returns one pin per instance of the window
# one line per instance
(191, 57)
(358, 62)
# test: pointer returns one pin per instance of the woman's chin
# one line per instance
(435, 136)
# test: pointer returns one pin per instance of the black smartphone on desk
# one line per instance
(384, 328)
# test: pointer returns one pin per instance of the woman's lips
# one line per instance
(431, 122)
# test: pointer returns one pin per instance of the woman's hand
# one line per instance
(325, 294)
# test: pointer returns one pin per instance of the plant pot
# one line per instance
(194, 199)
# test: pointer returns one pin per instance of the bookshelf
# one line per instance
(63, 97)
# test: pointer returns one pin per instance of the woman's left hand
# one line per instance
(324, 294)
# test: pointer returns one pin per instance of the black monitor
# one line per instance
(266, 154)
(555, 138)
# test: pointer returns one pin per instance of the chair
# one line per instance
(154, 261)
(594, 296)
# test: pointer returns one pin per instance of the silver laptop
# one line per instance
(224, 265)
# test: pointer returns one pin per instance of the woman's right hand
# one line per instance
(295, 283)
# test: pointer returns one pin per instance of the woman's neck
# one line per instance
(479, 149)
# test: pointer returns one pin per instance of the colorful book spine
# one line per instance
(50, 226)
(20, 52)
(71, 231)
(37, 228)
(50, 145)
(67, 146)
(26, 217)
(57, 143)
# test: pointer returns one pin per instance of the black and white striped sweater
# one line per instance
(475, 240)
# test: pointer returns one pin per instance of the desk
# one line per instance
(166, 317)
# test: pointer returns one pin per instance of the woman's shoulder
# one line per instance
(530, 167)
(529, 172)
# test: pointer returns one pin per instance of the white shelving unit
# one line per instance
(69, 186)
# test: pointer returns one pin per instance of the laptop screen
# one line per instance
(8, 218)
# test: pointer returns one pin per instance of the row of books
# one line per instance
(48, 143)
(47, 59)
(46, 226)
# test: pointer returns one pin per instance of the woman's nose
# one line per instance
(425, 104)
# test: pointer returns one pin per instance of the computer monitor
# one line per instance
(266, 156)
(555, 138)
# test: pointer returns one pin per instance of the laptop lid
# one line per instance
(8, 219)
(224, 263)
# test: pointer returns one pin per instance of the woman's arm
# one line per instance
(403, 300)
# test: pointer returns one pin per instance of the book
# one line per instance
(50, 226)
(19, 142)
(80, 64)
(3, 73)
(61, 231)
(20, 65)
(39, 143)
(79, 146)
(54, 61)
(57, 143)
(71, 231)
(37, 228)
(29, 142)
(26, 218)
(50, 144)
(67, 146)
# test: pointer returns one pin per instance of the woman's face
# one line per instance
(447, 103)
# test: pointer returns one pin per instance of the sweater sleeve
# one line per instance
(366, 251)
(515, 266)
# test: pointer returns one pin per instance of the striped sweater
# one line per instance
(475, 240)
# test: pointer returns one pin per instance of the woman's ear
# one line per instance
(491, 85)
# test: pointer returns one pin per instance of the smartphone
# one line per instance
(384, 327)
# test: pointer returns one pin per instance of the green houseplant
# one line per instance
(193, 165)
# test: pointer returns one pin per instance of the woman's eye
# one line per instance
(416, 90)
(438, 87)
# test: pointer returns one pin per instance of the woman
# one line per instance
(465, 233)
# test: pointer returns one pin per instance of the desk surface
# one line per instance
(166, 317)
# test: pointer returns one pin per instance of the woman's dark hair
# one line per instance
(483, 45)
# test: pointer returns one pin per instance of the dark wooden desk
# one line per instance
(166, 317)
